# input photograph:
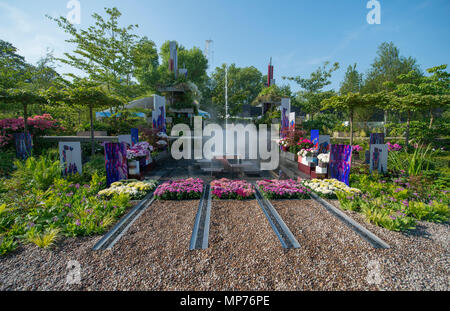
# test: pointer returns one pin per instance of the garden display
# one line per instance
(226, 189)
(135, 189)
(113, 148)
(328, 188)
(180, 189)
(283, 189)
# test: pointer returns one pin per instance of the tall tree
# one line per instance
(244, 85)
(348, 103)
(84, 93)
(406, 97)
(104, 51)
(387, 66)
(352, 81)
(145, 63)
(13, 67)
(312, 94)
(192, 59)
(436, 88)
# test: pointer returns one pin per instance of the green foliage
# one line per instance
(387, 217)
(420, 132)
(395, 203)
(411, 163)
(37, 173)
(325, 122)
(7, 245)
(352, 81)
(312, 94)
(244, 85)
(433, 211)
(7, 158)
(44, 240)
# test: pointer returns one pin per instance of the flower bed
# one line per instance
(283, 189)
(225, 189)
(29, 214)
(327, 188)
(396, 203)
(137, 190)
(181, 189)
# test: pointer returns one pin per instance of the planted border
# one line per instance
(226, 189)
(283, 189)
(180, 189)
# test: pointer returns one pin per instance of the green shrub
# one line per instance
(412, 163)
(434, 211)
(7, 245)
(37, 173)
(7, 158)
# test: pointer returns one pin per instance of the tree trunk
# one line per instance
(431, 118)
(385, 122)
(92, 130)
(408, 121)
(351, 127)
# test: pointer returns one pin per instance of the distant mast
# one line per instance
(270, 80)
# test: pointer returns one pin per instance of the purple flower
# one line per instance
(78, 223)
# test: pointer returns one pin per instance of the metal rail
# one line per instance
(375, 241)
(116, 233)
(283, 233)
(200, 232)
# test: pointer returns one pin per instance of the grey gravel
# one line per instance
(244, 254)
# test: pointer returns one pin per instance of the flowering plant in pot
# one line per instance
(140, 150)
(304, 143)
(135, 154)
(307, 153)
(284, 144)
(324, 159)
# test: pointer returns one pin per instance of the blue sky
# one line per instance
(299, 35)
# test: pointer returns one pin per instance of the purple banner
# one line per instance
(116, 162)
(340, 162)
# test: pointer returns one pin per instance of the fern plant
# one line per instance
(38, 173)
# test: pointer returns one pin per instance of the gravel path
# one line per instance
(244, 254)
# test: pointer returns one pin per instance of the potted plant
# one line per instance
(138, 156)
(307, 155)
(324, 159)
